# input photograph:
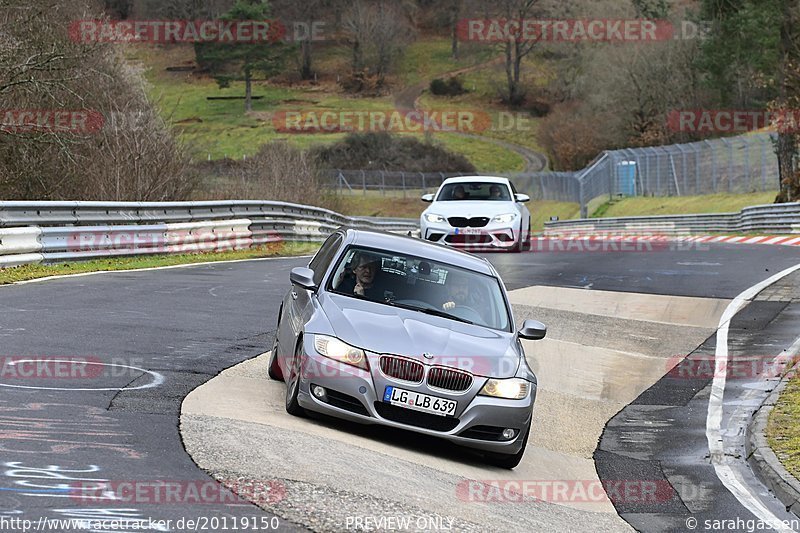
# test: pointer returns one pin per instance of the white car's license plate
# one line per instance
(469, 231)
(420, 402)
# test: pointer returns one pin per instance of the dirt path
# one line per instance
(407, 100)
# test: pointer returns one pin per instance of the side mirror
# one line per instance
(533, 330)
(427, 198)
(522, 198)
(304, 277)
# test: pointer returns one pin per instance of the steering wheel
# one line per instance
(467, 313)
(416, 303)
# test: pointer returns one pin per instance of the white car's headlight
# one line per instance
(510, 389)
(434, 218)
(333, 348)
(506, 218)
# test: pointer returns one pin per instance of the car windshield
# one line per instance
(422, 285)
(474, 191)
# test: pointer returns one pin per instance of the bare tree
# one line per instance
(378, 33)
(43, 68)
(517, 47)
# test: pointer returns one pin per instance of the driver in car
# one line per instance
(364, 281)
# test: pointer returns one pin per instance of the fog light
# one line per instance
(508, 434)
(318, 391)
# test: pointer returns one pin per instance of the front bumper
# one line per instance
(494, 235)
(356, 395)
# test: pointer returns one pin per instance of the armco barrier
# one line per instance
(777, 218)
(32, 232)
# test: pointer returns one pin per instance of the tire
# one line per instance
(520, 245)
(274, 369)
(508, 460)
(293, 383)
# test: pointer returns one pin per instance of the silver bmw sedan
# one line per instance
(386, 329)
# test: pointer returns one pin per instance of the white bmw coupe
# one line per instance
(477, 213)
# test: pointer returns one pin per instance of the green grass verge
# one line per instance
(27, 272)
(431, 57)
(678, 205)
(783, 431)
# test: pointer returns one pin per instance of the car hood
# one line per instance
(470, 208)
(384, 329)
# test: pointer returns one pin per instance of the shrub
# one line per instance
(451, 87)
(276, 172)
(383, 151)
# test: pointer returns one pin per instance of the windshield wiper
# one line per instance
(431, 311)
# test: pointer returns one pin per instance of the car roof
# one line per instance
(470, 179)
(392, 242)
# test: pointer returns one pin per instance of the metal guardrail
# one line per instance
(777, 218)
(33, 232)
(741, 164)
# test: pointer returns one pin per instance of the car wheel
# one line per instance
(520, 244)
(525, 244)
(274, 369)
(508, 460)
(293, 383)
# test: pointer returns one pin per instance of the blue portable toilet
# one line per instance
(626, 178)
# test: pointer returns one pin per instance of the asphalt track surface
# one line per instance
(185, 325)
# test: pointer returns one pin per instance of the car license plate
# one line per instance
(420, 402)
(468, 231)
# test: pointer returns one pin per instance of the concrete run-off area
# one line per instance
(603, 349)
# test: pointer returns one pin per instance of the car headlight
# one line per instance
(434, 218)
(505, 219)
(510, 389)
(333, 348)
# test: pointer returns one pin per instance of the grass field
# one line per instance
(28, 272)
(431, 57)
(783, 431)
(679, 205)
(218, 129)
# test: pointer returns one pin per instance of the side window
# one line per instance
(319, 264)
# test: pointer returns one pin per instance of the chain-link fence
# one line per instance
(561, 186)
(741, 164)
(728, 165)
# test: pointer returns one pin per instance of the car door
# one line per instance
(297, 305)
